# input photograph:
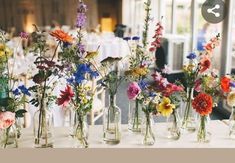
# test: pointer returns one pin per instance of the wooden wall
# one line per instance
(22, 13)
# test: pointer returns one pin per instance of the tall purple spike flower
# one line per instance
(81, 15)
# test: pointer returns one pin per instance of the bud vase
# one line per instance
(8, 137)
(203, 136)
(174, 128)
(147, 126)
(190, 117)
(80, 130)
(135, 116)
(43, 128)
(112, 122)
(232, 124)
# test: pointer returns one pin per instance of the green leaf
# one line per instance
(20, 113)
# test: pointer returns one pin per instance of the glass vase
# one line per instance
(147, 125)
(190, 117)
(80, 131)
(8, 137)
(135, 116)
(174, 128)
(43, 128)
(203, 136)
(232, 124)
(112, 122)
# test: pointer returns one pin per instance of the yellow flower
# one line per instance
(91, 55)
(231, 99)
(165, 107)
(137, 72)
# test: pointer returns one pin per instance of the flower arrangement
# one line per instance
(44, 84)
(140, 60)
(111, 80)
(197, 66)
(11, 98)
(79, 68)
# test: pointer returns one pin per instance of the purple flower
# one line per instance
(24, 35)
(232, 84)
(136, 38)
(192, 56)
(126, 38)
(81, 48)
(81, 20)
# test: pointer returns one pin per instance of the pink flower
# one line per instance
(197, 86)
(65, 96)
(166, 70)
(172, 88)
(157, 38)
(133, 90)
(6, 119)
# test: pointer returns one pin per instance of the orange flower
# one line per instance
(203, 103)
(205, 64)
(225, 84)
(61, 36)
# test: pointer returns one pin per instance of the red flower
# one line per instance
(225, 84)
(65, 96)
(205, 64)
(203, 103)
(172, 88)
(157, 38)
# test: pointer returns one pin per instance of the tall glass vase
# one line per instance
(112, 122)
(147, 126)
(232, 124)
(203, 135)
(135, 116)
(80, 130)
(190, 117)
(8, 137)
(43, 120)
(174, 128)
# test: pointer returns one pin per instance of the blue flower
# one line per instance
(83, 68)
(143, 85)
(94, 74)
(16, 92)
(79, 77)
(24, 90)
(126, 38)
(191, 56)
(70, 80)
(135, 38)
(152, 94)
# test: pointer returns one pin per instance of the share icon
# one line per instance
(212, 10)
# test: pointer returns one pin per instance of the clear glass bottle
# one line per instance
(80, 130)
(8, 137)
(112, 122)
(147, 126)
(203, 135)
(232, 124)
(174, 128)
(43, 120)
(189, 121)
(135, 117)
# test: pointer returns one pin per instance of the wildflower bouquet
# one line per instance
(194, 71)
(140, 61)
(79, 68)
(11, 99)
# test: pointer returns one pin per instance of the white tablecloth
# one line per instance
(218, 129)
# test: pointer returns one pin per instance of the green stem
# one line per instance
(7, 137)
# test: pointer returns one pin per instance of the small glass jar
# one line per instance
(232, 124)
(174, 128)
(43, 120)
(80, 131)
(147, 130)
(189, 121)
(112, 122)
(135, 117)
(8, 137)
(203, 135)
